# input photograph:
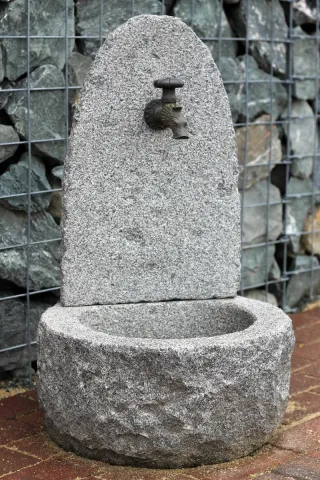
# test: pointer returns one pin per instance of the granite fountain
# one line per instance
(151, 358)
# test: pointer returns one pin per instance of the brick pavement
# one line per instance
(26, 453)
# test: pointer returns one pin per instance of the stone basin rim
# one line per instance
(268, 321)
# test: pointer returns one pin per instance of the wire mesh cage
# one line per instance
(268, 55)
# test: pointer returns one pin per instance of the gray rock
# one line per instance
(275, 272)
(292, 231)
(208, 20)
(57, 172)
(305, 284)
(13, 331)
(15, 181)
(261, 296)
(259, 150)
(114, 13)
(8, 135)
(78, 68)
(316, 168)
(266, 19)
(4, 95)
(256, 265)
(170, 384)
(255, 227)
(306, 59)
(232, 75)
(305, 12)
(1, 66)
(299, 204)
(302, 138)
(310, 241)
(55, 207)
(43, 257)
(258, 100)
(268, 95)
(46, 18)
(47, 112)
(164, 214)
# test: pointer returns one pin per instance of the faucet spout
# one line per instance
(173, 118)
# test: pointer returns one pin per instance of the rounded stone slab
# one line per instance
(148, 217)
(170, 384)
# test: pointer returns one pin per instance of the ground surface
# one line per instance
(26, 453)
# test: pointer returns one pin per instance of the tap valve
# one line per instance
(169, 86)
(165, 113)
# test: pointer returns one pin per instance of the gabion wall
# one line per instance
(268, 55)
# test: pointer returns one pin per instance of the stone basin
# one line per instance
(166, 385)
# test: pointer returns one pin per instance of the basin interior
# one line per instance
(175, 319)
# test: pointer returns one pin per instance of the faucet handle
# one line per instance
(168, 85)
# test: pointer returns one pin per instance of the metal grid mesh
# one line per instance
(281, 244)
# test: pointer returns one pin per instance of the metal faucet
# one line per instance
(165, 113)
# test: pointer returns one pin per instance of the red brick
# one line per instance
(301, 405)
(303, 467)
(307, 352)
(300, 383)
(301, 439)
(57, 468)
(31, 394)
(304, 319)
(298, 364)
(313, 369)
(111, 472)
(265, 459)
(40, 446)
(274, 476)
(16, 405)
(314, 313)
(34, 418)
(310, 334)
(315, 453)
(13, 461)
(11, 430)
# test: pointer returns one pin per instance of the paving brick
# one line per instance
(34, 418)
(298, 364)
(301, 468)
(13, 461)
(315, 453)
(307, 352)
(11, 430)
(300, 383)
(300, 406)
(310, 334)
(313, 369)
(57, 468)
(274, 476)
(303, 438)
(314, 313)
(31, 394)
(305, 319)
(127, 473)
(265, 459)
(40, 446)
(16, 405)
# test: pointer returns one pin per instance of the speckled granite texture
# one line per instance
(168, 384)
(124, 376)
(147, 217)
